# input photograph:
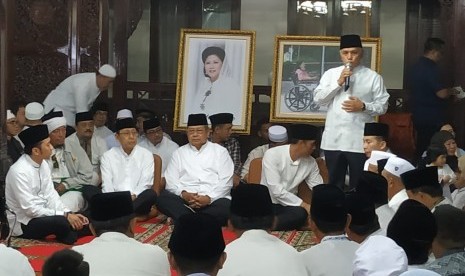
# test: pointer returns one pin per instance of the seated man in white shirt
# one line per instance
(397, 194)
(157, 143)
(30, 193)
(277, 136)
(199, 176)
(115, 251)
(197, 246)
(364, 221)
(423, 186)
(100, 116)
(71, 168)
(93, 145)
(251, 220)
(284, 168)
(413, 228)
(375, 137)
(129, 167)
(334, 253)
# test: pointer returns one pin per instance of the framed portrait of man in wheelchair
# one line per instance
(299, 63)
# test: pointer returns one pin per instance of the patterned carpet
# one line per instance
(156, 231)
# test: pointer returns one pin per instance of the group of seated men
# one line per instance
(52, 185)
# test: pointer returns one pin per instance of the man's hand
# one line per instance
(188, 197)
(77, 221)
(60, 188)
(306, 206)
(133, 197)
(202, 201)
(344, 74)
(353, 104)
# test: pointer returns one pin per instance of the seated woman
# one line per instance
(303, 74)
(436, 156)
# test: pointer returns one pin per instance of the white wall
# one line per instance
(269, 18)
(392, 32)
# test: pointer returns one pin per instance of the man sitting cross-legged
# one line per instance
(115, 251)
(31, 196)
(251, 219)
(284, 168)
(129, 167)
(199, 176)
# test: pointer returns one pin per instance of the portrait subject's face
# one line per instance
(212, 67)
(197, 135)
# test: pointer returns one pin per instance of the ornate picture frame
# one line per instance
(215, 75)
(299, 63)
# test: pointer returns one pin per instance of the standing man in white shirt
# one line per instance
(30, 193)
(115, 251)
(354, 95)
(199, 177)
(157, 143)
(284, 168)
(251, 220)
(129, 167)
(78, 92)
(329, 217)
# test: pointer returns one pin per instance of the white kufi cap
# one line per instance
(378, 155)
(398, 166)
(108, 71)
(34, 111)
(124, 113)
(277, 134)
(9, 115)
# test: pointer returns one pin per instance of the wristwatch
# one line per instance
(363, 107)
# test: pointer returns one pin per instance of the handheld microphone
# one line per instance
(348, 65)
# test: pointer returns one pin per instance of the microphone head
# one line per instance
(348, 65)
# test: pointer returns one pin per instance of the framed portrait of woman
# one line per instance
(215, 75)
(299, 63)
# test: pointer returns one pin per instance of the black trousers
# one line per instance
(142, 204)
(424, 134)
(174, 206)
(289, 217)
(39, 228)
(337, 162)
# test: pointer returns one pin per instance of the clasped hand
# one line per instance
(77, 221)
(195, 200)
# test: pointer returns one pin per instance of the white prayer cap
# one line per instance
(398, 166)
(277, 134)
(378, 155)
(124, 113)
(54, 120)
(9, 115)
(420, 272)
(34, 111)
(379, 256)
(107, 71)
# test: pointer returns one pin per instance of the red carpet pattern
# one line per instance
(155, 231)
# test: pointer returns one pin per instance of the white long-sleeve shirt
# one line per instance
(114, 253)
(282, 176)
(277, 258)
(208, 171)
(164, 149)
(75, 94)
(123, 172)
(30, 192)
(344, 130)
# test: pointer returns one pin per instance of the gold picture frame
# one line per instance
(292, 90)
(203, 88)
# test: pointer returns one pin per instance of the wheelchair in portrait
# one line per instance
(300, 97)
